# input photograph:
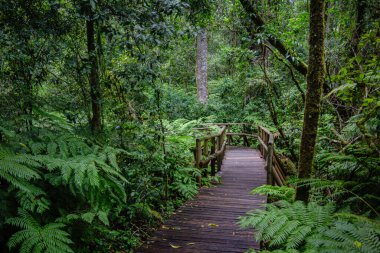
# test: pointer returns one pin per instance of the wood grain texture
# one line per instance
(208, 222)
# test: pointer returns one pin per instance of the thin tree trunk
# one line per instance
(273, 113)
(201, 69)
(315, 80)
(360, 10)
(292, 75)
(257, 22)
(360, 91)
(95, 92)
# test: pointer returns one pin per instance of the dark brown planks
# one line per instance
(208, 222)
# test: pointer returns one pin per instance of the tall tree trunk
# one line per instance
(201, 69)
(315, 80)
(95, 92)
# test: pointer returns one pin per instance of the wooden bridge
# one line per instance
(208, 223)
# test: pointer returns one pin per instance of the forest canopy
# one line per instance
(99, 100)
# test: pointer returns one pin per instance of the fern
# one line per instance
(19, 171)
(287, 225)
(35, 237)
(323, 189)
(346, 237)
(88, 170)
(276, 192)
(33, 202)
(184, 182)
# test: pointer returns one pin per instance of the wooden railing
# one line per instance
(245, 132)
(209, 150)
(274, 167)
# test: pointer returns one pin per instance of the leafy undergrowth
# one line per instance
(71, 190)
(288, 226)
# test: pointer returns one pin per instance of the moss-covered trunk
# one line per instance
(315, 80)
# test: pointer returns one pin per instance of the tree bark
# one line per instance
(258, 22)
(315, 80)
(201, 68)
(95, 91)
(360, 11)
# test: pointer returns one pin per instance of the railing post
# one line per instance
(219, 157)
(213, 160)
(198, 158)
(205, 147)
(229, 137)
(269, 159)
(259, 133)
(205, 153)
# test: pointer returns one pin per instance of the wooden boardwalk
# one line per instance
(208, 222)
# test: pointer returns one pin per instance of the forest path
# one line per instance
(207, 223)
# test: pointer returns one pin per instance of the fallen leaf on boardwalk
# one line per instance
(174, 246)
(176, 228)
(164, 227)
(190, 243)
(213, 225)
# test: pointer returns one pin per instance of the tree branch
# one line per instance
(258, 22)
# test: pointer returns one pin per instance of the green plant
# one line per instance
(343, 237)
(184, 182)
(293, 227)
(288, 225)
(37, 238)
(19, 170)
(276, 192)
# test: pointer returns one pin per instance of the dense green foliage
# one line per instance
(67, 188)
(312, 228)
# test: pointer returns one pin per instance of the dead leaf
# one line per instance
(213, 225)
(174, 246)
(190, 243)
(165, 227)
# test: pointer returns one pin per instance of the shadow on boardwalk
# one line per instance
(208, 222)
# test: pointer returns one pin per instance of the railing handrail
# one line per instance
(203, 156)
(213, 135)
(275, 169)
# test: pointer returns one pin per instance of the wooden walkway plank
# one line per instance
(208, 223)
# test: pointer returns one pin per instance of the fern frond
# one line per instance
(19, 171)
(36, 238)
(276, 192)
(347, 237)
(33, 202)
(288, 225)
